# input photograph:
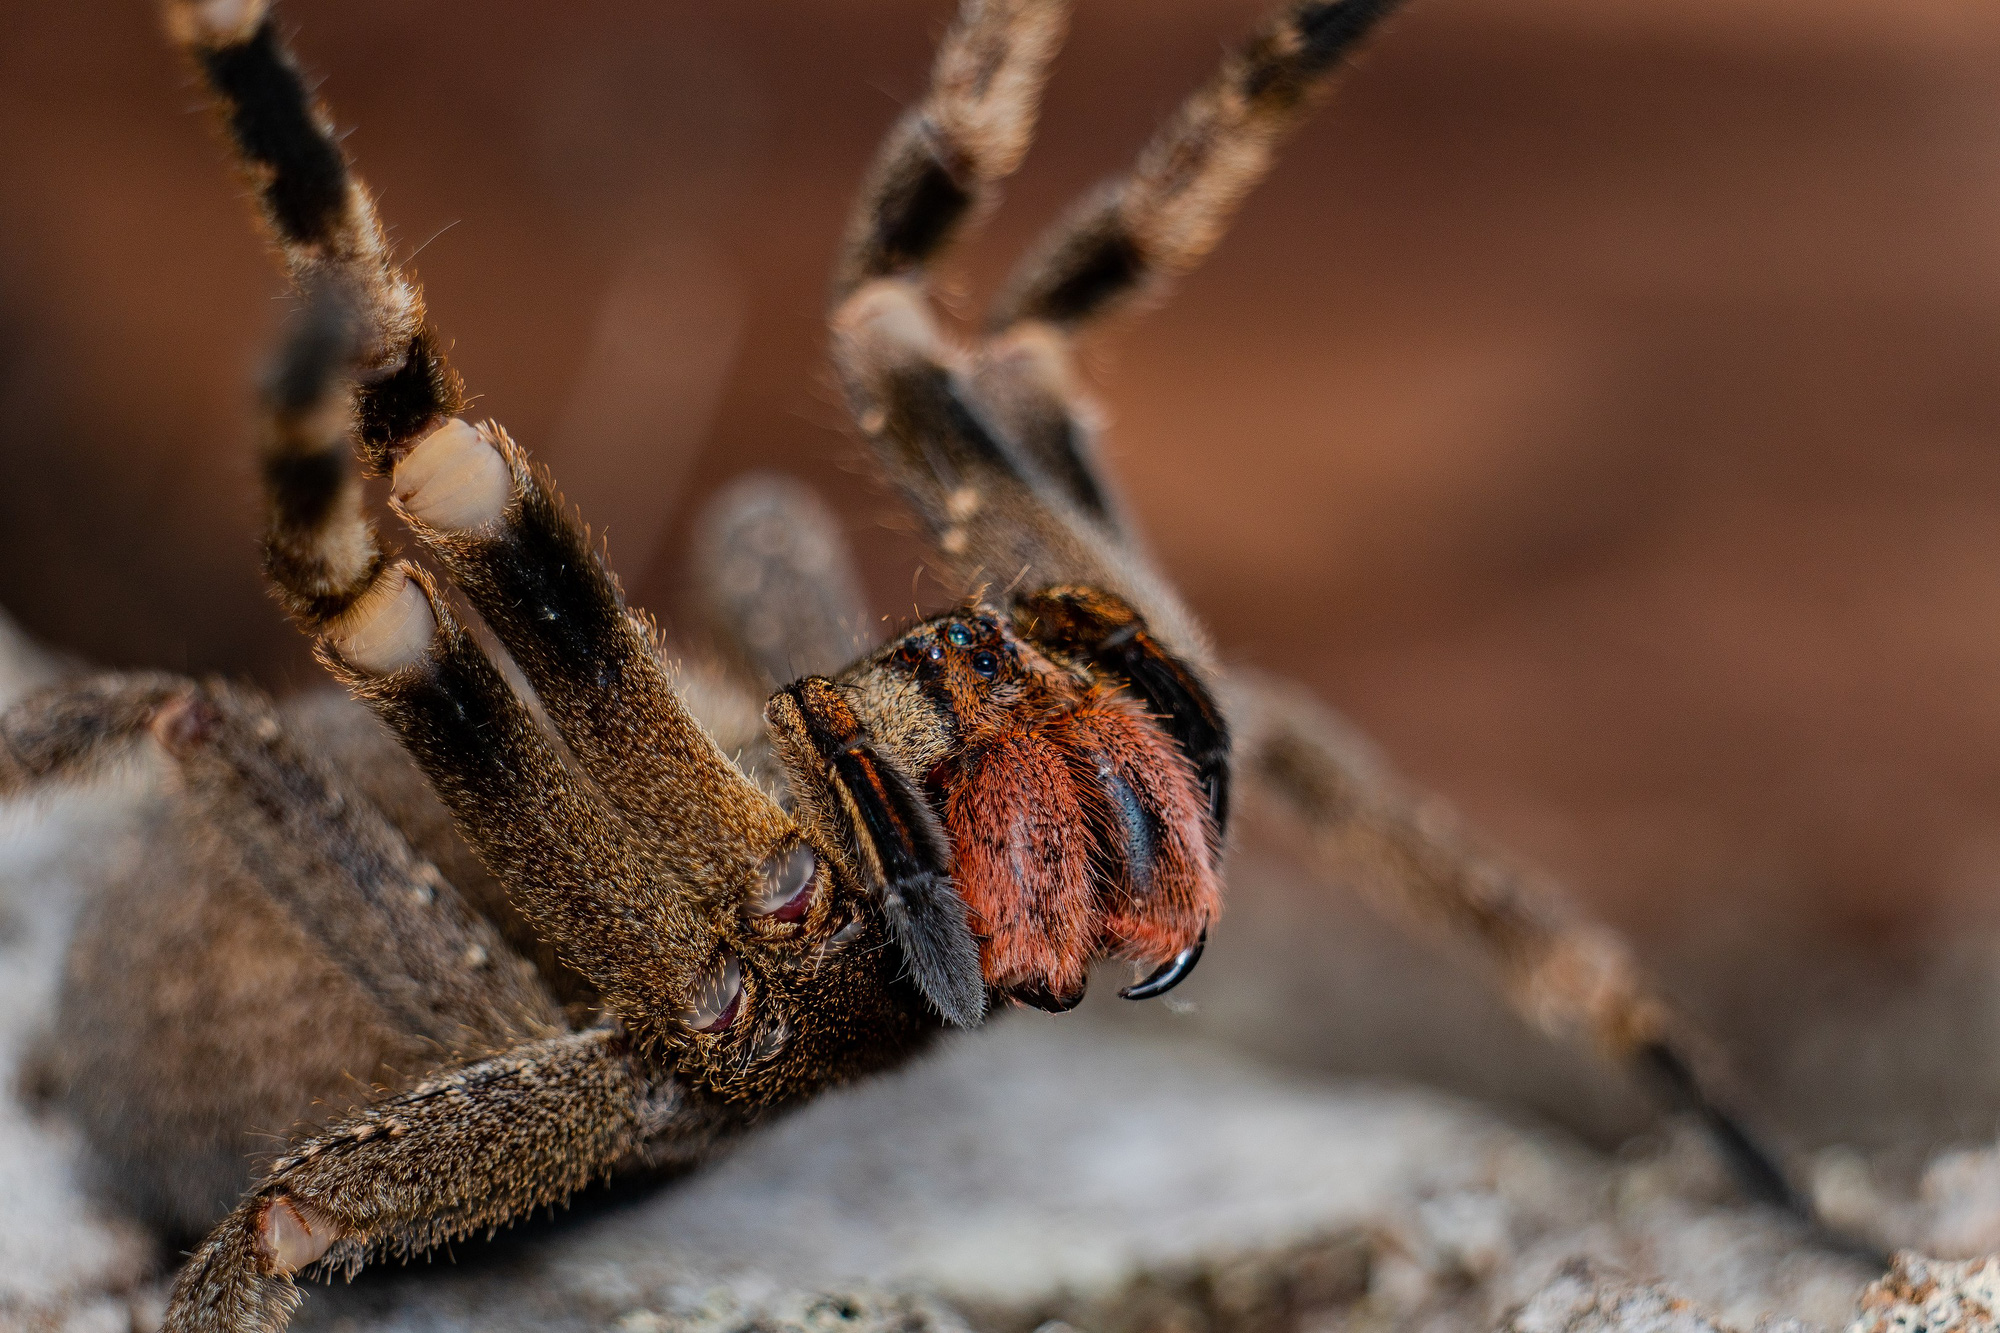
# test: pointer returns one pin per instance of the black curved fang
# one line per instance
(1169, 974)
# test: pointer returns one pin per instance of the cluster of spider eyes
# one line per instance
(789, 877)
(985, 662)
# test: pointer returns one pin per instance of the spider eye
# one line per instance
(788, 884)
(717, 996)
(958, 635)
(985, 664)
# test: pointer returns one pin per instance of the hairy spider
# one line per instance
(576, 937)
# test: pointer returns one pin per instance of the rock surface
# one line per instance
(1926, 1296)
(1580, 1300)
(64, 1262)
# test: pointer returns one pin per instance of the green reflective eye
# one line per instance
(958, 635)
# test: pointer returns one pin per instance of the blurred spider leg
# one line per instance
(938, 168)
(74, 731)
(1026, 384)
(778, 581)
(1569, 977)
(1125, 242)
(320, 552)
(465, 1151)
(988, 507)
(898, 848)
(321, 216)
(1134, 234)
(331, 861)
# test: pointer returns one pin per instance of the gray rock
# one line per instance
(1582, 1300)
(1920, 1295)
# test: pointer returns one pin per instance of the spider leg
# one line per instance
(321, 216)
(940, 165)
(778, 581)
(591, 879)
(645, 862)
(503, 536)
(1125, 242)
(1569, 976)
(993, 514)
(579, 872)
(465, 1151)
(1132, 235)
(993, 450)
(621, 917)
(333, 864)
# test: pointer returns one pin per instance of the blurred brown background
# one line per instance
(1601, 404)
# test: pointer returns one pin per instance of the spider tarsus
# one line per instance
(1751, 1164)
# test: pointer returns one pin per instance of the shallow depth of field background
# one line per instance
(1600, 405)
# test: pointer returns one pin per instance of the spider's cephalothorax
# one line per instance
(1077, 826)
(570, 937)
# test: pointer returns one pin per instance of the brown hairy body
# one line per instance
(486, 937)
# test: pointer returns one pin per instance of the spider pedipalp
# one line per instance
(1073, 826)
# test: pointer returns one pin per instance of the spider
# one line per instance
(575, 936)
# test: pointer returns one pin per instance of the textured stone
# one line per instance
(1920, 1295)
(1582, 1300)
